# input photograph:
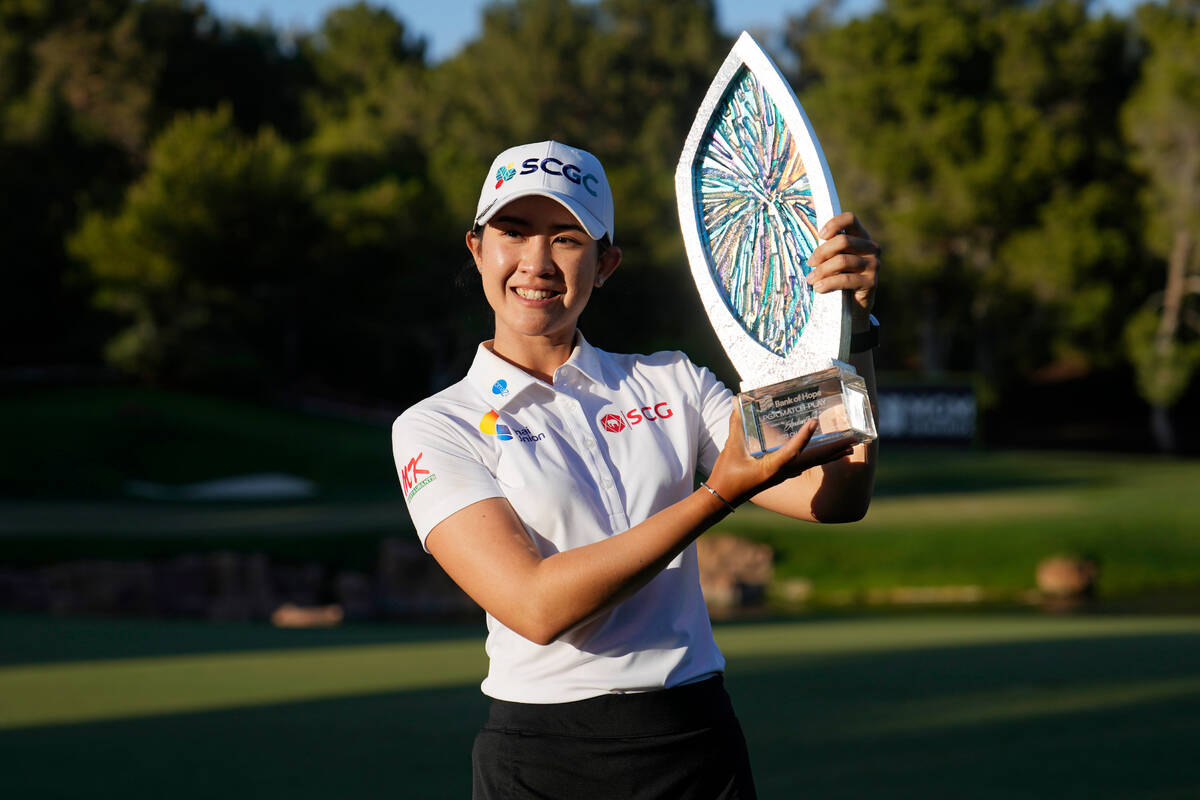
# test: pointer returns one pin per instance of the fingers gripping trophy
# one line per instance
(755, 194)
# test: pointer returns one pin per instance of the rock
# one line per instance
(264, 486)
(229, 599)
(301, 585)
(355, 593)
(1067, 576)
(228, 585)
(411, 584)
(183, 586)
(734, 572)
(796, 591)
(290, 615)
(23, 591)
(100, 587)
(925, 595)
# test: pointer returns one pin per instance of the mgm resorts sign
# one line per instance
(927, 413)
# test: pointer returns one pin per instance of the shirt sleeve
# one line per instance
(715, 404)
(440, 471)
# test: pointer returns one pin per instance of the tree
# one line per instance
(51, 162)
(84, 87)
(621, 79)
(522, 80)
(1162, 121)
(210, 260)
(385, 214)
(971, 136)
(125, 67)
(651, 64)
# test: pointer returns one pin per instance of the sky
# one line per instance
(447, 24)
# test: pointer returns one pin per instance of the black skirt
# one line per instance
(683, 743)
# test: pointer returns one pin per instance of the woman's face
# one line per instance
(538, 268)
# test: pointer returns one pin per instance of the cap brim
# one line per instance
(594, 227)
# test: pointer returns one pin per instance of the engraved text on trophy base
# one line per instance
(836, 397)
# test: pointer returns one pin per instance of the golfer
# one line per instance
(555, 485)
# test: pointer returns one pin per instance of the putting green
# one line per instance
(106, 689)
(83, 691)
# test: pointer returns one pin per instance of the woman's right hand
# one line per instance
(737, 476)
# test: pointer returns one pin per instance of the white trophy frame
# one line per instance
(825, 338)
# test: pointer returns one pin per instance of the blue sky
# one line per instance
(447, 24)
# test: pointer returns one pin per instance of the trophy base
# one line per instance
(836, 397)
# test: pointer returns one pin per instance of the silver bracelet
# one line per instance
(718, 496)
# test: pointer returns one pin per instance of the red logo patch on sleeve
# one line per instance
(413, 478)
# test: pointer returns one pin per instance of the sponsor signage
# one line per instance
(927, 413)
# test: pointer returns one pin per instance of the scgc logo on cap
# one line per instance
(560, 172)
(571, 172)
(504, 174)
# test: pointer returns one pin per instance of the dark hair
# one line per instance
(465, 279)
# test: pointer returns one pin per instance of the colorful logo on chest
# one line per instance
(491, 425)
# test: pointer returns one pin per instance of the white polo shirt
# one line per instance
(614, 440)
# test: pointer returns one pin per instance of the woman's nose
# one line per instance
(535, 256)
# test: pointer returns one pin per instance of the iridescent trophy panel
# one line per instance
(757, 219)
(753, 189)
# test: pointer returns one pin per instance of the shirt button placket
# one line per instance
(601, 473)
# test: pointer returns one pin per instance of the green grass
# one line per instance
(341, 533)
(986, 705)
(71, 451)
(941, 517)
(985, 519)
(85, 443)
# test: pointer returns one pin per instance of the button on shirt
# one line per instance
(615, 439)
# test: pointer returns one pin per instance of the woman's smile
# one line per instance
(537, 297)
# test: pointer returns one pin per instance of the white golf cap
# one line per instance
(569, 175)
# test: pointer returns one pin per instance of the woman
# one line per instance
(554, 484)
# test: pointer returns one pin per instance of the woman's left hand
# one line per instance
(847, 261)
(737, 476)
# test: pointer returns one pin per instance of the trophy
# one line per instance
(753, 189)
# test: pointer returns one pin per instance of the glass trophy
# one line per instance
(837, 397)
(753, 188)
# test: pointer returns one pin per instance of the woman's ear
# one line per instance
(475, 245)
(608, 264)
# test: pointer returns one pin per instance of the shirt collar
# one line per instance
(496, 380)
(499, 382)
(584, 361)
